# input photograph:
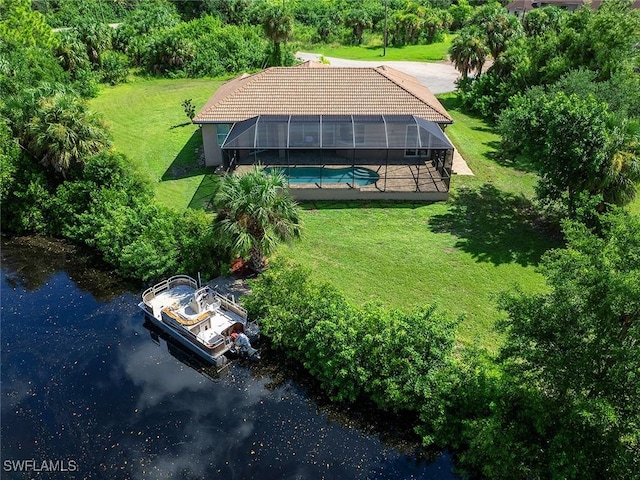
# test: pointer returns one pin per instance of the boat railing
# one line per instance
(232, 306)
(171, 282)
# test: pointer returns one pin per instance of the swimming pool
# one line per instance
(358, 175)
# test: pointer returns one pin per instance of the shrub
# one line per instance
(115, 68)
(398, 359)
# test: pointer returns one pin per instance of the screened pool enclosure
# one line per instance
(404, 153)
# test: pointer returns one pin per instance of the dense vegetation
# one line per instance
(60, 177)
(565, 92)
(561, 397)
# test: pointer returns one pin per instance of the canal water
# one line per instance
(90, 391)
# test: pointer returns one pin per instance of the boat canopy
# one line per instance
(373, 132)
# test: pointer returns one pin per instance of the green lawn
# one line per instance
(407, 255)
(150, 126)
(458, 254)
(477, 143)
(435, 52)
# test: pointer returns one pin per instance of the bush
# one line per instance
(204, 47)
(115, 68)
(397, 359)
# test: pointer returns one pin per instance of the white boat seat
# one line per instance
(210, 338)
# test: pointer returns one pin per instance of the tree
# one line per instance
(255, 213)
(610, 41)
(71, 52)
(168, 52)
(133, 35)
(498, 25)
(277, 25)
(115, 67)
(97, 39)
(9, 155)
(622, 177)
(468, 51)
(460, 13)
(539, 21)
(574, 144)
(62, 133)
(577, 348)
(21, 26)
(358, 20)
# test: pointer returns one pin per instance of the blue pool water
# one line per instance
(358, 175)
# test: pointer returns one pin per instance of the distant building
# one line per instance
(520, 7)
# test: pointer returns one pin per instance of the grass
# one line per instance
(458, 254)
(407, 255)
(435, 52)
(149, 125)
(477, 142)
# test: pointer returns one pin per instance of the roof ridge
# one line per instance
(381, 70)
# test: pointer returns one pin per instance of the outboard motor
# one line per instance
(243, 346)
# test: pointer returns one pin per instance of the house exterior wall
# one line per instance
(212, 151)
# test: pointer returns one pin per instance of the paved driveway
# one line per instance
(439, 77)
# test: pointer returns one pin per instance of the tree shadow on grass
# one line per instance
(189, 161)
(497, 227)
(453, 102)
(494, 152)
(203, 197)
(518, 162)
(179, 125)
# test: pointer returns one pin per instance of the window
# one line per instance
(223, 131)
(411, 142)
(360, 133)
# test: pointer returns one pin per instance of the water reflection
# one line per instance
(84, 380)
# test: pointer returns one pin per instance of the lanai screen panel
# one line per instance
(432, 136)
(304, 131)
(361, 132)
(242, 135)
(401, 132)
(272, 132)
(337, 131)
(369, 132)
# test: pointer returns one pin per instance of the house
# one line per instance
(336, 132)
(520, 7)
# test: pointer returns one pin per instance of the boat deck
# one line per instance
(180, 296)
(177, 295)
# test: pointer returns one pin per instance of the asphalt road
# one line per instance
(439, 77)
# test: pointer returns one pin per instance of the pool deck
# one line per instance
(401, 182)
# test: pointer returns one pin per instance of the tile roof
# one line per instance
(316, 89)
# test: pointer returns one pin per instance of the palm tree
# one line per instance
(71, 52)
(498, 25)
(468, 51)
(277, 25)
(96, 37)
(622, 175)
(256, 213)
(358, 21)
(62, 133)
